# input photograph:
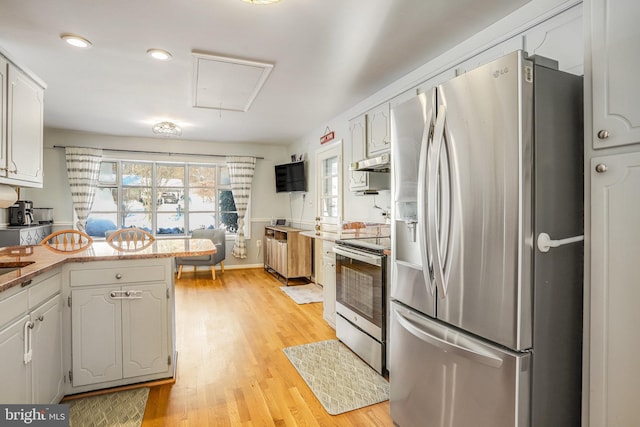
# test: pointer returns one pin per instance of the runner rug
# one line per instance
(122, 409)
(304, 294)
(339, 379)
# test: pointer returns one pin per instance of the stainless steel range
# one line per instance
(361, 298)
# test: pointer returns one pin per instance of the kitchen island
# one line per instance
(93, 319)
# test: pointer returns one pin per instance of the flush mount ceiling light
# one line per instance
(159, 54)
(261, 1)
(167, 129)
(75, 40)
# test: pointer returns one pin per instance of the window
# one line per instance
(329, 184)
(162, 198)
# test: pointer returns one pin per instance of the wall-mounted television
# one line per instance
(290, 177)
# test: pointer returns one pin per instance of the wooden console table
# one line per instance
(287, 253)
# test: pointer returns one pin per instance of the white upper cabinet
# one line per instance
(378, 130)
(615, 61)
(4, 69)
(358, 135)
(25, 110)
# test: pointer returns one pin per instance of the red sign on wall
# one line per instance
(327, 137)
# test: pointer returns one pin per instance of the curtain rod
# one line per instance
(165, 153)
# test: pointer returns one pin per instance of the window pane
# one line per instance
(330, 166)
(224, 176)
(228, 212)
(139, 220)
(202, 176)
(136, 173)
(136, 199)
(170, 176)
(202, 199)
(169, 196)
(104, 200)
(98, 223)
(108, 173)
(330, 207)
(170, 223)
(201, 220)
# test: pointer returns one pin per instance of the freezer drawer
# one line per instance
(441, 377)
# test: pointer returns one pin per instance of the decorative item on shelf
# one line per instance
(167, 129)
(317, 226)
(297, 157)
(328, 135)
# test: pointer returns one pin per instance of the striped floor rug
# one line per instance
(339, 379)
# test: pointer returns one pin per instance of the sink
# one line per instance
(4, 270)
(9, 266)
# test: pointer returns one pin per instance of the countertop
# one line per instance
(45, 258)
(324, 235)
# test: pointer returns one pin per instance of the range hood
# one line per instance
(381, 163)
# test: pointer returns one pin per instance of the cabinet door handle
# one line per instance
(28, 351)
(601, 168)
(603, 134)
(40, 318)
(118, 276)
(112, 294)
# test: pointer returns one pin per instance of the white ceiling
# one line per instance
(328, 55)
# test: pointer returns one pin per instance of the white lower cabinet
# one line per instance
(31, 342)
(46, 341)
(13, 370)
(118, 332)
(615, 290)
(121, 323)
(329, 283)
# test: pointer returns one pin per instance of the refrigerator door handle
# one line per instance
(432, 202)
(446, 346)
(422, 203)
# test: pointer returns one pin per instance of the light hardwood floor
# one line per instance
(231, 369)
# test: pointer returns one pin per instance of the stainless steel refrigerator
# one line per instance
(486, 288)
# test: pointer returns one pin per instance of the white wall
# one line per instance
(551, 28)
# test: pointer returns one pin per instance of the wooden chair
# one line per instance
(130, 239)
(67, 241)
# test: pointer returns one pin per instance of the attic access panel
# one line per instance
(226, 83)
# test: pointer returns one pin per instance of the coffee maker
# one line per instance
(21, 213)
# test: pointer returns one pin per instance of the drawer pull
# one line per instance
(118, 276)
(26, 283)
(40, 318)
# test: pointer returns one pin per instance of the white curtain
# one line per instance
(83, 170)
(241, 174)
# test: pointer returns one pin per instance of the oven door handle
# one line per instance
(360, 256)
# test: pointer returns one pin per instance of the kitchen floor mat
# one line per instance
(304, 294)
(339, 379)
(122, 409)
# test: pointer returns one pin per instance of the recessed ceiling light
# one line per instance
(75, 40)
(159, 54)
(261, 1)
